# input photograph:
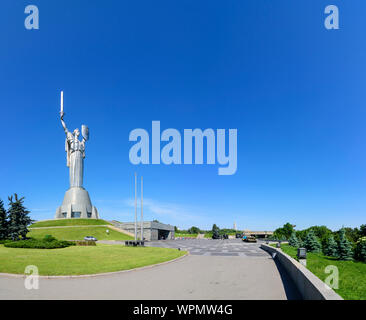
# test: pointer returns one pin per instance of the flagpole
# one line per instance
(142, 214)
(135, 206)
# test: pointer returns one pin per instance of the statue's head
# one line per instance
(76, 133)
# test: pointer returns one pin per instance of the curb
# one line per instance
(308, 284)
(14, 275)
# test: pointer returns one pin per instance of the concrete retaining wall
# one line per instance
(309, 285)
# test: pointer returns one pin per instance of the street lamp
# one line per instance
(301, 255)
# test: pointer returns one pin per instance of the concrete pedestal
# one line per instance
(76, 204)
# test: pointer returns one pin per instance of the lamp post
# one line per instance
(135, 206)
(301, 255)
(142, 212)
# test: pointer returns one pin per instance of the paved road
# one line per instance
(208, 273)
(209, 247)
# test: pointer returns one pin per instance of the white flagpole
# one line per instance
(135, 206)
(142, 214)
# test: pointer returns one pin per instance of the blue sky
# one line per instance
(294, 90)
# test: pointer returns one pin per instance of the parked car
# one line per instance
(90, 238)
(238, 235)
(249, 239)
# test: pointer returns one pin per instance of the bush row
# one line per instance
(48, 242)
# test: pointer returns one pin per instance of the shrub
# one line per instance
(331, 247)
(312, 243)
(293, 241)
(38, 244)
(5, 241)
(360, 251)
(49, 238)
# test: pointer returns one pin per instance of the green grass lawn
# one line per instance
(193, 235)
(74, 233)
(352, 275)
(77, 260)
(69, 222)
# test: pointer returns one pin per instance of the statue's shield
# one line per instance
(85, 132)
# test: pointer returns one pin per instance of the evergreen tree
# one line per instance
(18, 218)
(331, 248)
(3, 222)
(344, 246)
(293, 241)
(312, 243)
(363, 230)
(360, 251)
(215, 231)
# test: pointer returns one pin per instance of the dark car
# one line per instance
(90, 238)
(238, 235)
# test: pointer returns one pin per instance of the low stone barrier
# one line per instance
(308, 284)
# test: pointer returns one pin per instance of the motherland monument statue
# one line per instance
(76, 202)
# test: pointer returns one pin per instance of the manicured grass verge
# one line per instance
(69, 222)
(83, 260)
(352, 275)
(188, 235)
(74, 233)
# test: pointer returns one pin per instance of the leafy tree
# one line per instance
(194, 230)
(284, 232)
(344, 246)
(322, 232)
(18, 218)
(331, 247)
(360, 251)
(3, 222)
(312, 243)
(293, 241)
(363, 230)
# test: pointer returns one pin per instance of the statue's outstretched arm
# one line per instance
(63, 123)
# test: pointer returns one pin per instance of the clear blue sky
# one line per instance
(294, 90)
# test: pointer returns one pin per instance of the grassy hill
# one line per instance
(75, 229)
(78, 233)
(69, 222)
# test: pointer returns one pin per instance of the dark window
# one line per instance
(75, 214)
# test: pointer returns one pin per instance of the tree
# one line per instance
(344, 246)
(284, 232)
(194, 230)
(293, 241)
(360, 251)
(363, 230)
(331, 247)
(3, 222)
(312, 243)
(322, 232)
(18, 218)
(215, 231)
